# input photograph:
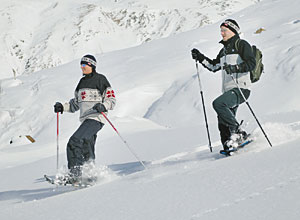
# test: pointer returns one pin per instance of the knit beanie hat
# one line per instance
(89, 60)
(232, 25)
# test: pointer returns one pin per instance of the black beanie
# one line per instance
(232, 25)
(89, 60)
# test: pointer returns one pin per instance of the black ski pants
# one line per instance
(81, 145)
(226, 106)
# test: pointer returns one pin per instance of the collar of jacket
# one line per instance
(89, 75)
(232, 39)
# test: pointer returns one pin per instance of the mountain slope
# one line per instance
(38, 35)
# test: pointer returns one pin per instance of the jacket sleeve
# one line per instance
(109, 98)
(212, 65)
(246, 53)
(72, 105)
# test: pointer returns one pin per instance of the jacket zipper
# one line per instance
(236, 74)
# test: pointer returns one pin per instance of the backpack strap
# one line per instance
(237, 44)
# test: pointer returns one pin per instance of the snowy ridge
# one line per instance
(45, 34)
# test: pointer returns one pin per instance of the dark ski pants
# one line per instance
(226, 107)
(81, 145)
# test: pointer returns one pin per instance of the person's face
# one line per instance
(226, 33)
(86, 69)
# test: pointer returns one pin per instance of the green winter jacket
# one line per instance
(243, 57)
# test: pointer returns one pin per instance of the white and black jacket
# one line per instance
(92, 89)
(243, 58)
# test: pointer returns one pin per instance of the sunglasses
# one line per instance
(84, 64)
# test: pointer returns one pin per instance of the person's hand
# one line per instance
(58, 107)
(99, 107)
(230, 69)
(197, 55)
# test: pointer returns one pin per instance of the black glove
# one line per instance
(230, 69)
(58, 107)
(196, 55)
(99, 107)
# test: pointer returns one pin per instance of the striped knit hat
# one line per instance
(89, 60)
(232, 25)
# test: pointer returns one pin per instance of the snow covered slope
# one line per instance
(159, 112)
(35, 35)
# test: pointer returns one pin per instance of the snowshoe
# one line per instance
(229, 151)
(71, 180)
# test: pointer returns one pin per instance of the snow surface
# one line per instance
(159, 113)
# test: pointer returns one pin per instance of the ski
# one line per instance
(234, 149)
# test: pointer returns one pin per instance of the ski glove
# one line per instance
(230, 69)
(99, 107)
(58, 107)
(196, 55)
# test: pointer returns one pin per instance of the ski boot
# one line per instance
(235, 141)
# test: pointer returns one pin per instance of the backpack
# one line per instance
(259, 66)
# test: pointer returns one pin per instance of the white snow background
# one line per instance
(159, 113)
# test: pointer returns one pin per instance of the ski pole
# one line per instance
(251, 110)
(203, 104)
(124, 140)
(57, 141)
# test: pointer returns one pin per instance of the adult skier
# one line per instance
(93, 96)
(234, 59)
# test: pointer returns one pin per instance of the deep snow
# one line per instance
(159, 113)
